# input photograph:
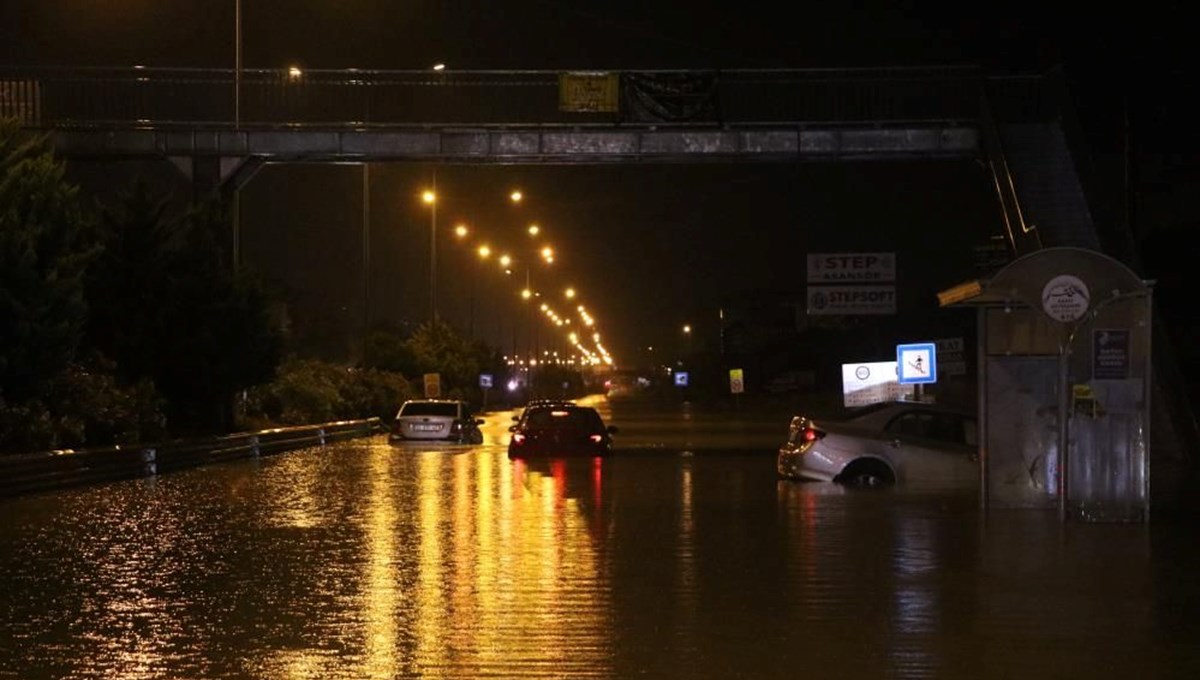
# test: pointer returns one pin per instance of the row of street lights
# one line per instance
(545, 253)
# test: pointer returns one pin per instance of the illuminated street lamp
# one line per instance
(516, 196)
(430, 199)
(461, 231)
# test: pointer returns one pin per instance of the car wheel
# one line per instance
(867, 474)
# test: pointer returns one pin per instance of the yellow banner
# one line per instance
(588, 92)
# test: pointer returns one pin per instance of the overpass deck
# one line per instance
(505, 116)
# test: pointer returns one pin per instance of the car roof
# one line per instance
(560, 406)
(424, 404)
(575, 415)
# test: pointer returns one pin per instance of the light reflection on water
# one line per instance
(365, 560)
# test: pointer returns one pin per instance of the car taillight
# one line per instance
(456, 427)
(807, 437)
(596, 439)
(518, 438)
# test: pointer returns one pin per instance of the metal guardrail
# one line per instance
(46, 471)
(65, 98)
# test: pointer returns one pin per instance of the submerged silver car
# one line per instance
(889, 443)
(436, 420)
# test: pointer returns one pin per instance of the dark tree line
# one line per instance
(117, 323)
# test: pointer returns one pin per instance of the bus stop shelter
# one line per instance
(1064, 371)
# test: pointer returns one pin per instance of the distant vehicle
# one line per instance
(448, 420)
(621, 385)
(560, 430)
(883, 444)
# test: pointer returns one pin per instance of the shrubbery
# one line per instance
(309, 391)
(83, 407)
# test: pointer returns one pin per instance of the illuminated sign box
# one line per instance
(871, 383)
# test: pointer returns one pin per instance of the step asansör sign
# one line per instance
(851, 267)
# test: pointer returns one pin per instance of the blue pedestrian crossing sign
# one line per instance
(916, 363)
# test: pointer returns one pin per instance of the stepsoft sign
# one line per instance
(851, 299)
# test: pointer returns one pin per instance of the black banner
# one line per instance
(669, 97)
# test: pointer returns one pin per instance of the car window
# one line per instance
(426, 408)
(572, 418)
(944, 427)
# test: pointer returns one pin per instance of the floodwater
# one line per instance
(370, 560)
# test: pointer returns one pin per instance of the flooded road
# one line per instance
(669, 559)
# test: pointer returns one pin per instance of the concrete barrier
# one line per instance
(49, 470)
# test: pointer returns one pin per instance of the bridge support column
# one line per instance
(222, 177)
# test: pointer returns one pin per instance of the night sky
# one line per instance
(649, 247)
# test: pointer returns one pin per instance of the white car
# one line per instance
(436, 420)
(889, 443)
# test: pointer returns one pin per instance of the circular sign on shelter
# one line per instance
(1065, 298)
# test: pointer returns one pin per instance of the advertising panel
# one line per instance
(871, 383)
(852, 300)
(851, 267)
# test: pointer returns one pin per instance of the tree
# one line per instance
(437, 348)
(387, 351)
(169, 308)
(53, 392)
(46, 242)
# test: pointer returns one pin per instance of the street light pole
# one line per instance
(431, 198)
(237, 63)
(236, 198)
(366, 246)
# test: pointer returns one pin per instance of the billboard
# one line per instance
(871, 383)
(851, 267)
(851, 299)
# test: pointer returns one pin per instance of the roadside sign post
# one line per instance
(916, 364)
(433, 385)
(485, 383)
(737, 385)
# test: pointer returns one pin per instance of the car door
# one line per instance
(929, 446)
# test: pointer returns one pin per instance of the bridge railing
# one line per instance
(45, 471)
(187, 98)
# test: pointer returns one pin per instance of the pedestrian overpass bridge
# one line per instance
(219, 126)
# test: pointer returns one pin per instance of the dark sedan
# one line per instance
(560, 430)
